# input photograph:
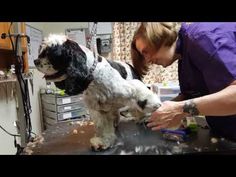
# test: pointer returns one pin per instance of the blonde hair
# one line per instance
(156, 34)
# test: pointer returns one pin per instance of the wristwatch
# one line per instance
(191, 108)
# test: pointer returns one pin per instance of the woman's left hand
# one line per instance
(169, 115)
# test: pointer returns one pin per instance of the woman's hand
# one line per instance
(169, 115)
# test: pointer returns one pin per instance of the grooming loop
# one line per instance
(91, 42)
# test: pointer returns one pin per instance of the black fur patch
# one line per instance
(142, 104)
(119, 68)
(43, 53)
(60, 56)
(99, 58)
(135, 74)
(73, 85)
(70, 58)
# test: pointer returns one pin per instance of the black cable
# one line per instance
(25, 98)
(24, 90)
(9, 33)
(17, 146)
(34, 133)
(23, 84)
(8, 132)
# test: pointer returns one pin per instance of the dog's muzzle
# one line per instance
(53, 76)
(36, 62)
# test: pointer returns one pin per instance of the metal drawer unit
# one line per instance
(62, 108)
(57, 108)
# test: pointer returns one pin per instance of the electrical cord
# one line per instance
(24, 89)
(9, 33)
(22, 82)
(17, 146)
(8, 132)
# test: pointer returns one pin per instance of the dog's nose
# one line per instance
(157, 106)
(36, 62)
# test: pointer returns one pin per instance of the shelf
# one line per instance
(8, 80)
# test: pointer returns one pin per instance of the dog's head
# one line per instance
(148, 101)
(63, 62)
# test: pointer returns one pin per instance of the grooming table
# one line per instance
(133, 139)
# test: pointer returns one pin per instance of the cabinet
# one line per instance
(166, 91)
(6, 54)
(23, 40)
(5, 43)
(24, 45)
(56, 108)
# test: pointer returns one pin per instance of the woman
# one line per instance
(206, 54)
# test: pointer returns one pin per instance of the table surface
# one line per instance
(72, 138)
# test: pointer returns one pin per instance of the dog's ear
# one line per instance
(71, 86)
(74, 60)
(78, 78)
(61, 85)
(61, 56)
(77, 66)
(72, 45)
(142, 104)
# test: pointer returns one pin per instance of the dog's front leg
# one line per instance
(105, 131)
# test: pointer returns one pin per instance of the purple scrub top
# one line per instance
(208, 65)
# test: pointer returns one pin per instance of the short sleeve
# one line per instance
(215, 56)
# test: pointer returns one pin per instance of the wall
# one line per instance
(38, 83)
(8, 114)
(35, 101)
(57, 27)
(38, 25)
(7, 118)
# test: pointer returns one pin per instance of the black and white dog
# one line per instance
(106, 85)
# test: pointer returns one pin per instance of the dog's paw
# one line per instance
(98, 144)
(143, 119)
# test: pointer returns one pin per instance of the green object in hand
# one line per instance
(193, 127)
(192, 124)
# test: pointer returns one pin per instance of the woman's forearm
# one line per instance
(222, 103)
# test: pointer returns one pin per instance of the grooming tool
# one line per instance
(175, 135)
(181, 134)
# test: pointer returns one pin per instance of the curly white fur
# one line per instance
(107, 93)
(55, 39)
